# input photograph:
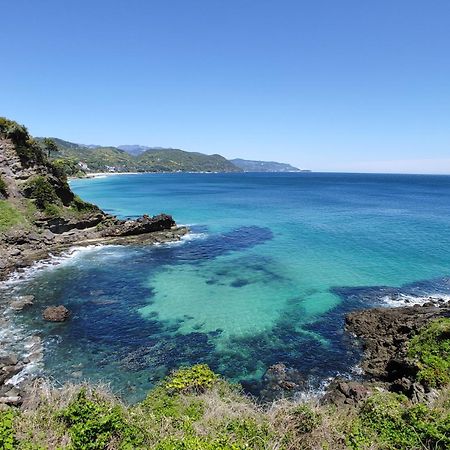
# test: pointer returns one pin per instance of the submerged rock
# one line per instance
(21, 302)
(56, 313)
(281, 381)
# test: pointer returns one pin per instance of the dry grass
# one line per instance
(219, 414)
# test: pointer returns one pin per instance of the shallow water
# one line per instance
(273, 263)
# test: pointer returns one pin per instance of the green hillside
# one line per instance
(103, 159)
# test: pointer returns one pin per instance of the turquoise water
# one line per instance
(273, 263)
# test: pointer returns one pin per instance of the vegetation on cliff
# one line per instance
(194, 409)
(32, 186)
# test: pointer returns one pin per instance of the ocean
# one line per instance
(271, 266)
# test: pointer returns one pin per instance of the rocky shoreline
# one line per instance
(383, 334)
(20, 250)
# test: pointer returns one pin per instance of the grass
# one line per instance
(430, 349)
(10, 216)
(218, 416)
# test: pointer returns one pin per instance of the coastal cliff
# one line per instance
(39, 214)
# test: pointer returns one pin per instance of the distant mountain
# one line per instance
(133, 149)
(152, 159)
(263, 166)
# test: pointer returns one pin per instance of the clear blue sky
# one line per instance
(327, 85)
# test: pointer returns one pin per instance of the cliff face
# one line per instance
(40, 214)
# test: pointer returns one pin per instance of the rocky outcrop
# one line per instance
(384, 334)
(342, 392)
(142, 225)
(56, 313)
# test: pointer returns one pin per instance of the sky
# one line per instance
(327, 85)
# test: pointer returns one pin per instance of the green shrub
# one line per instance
(197, 443)
(7, 439)
(93, 423)
(81, 206)
(43, 193)
(391, 422)
(12, 130)
(197, 378)
(27, 149)
(162, 404)
(430, 348)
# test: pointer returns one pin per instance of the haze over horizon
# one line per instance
(327, 86)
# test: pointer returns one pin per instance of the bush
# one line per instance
(197, 378)
(93, 423)
(43, 193)
(27, 149)
(12, 130)
(81, 206)
(431, 351)
(391, 422)
(7, 440)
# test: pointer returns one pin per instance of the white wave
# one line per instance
(409, 300)
(186, 238)
(69, 257)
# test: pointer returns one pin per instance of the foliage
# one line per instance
(28, 150)
(93, 423)
(3, 187)
(430, 348)
(390, 421)
(7, 439)
(196, 378)
(50, 146)
(12, 130)
(162, 404)
(9, 216)
(81, 206)
(66, 167)
(43, 193)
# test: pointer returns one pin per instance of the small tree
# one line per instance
(50, 146)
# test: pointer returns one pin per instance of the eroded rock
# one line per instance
(56, 313)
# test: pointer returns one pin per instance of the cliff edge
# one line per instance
(39, 213)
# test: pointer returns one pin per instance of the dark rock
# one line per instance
(281, 381)
(344, 392)
(56, 313)
(142, 225)
(8, 360)
(385, 333)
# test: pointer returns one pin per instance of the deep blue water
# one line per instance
(273, 263)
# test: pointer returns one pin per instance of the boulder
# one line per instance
(21, 302)
(56, 313)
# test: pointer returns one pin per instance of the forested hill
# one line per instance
(103, 159)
